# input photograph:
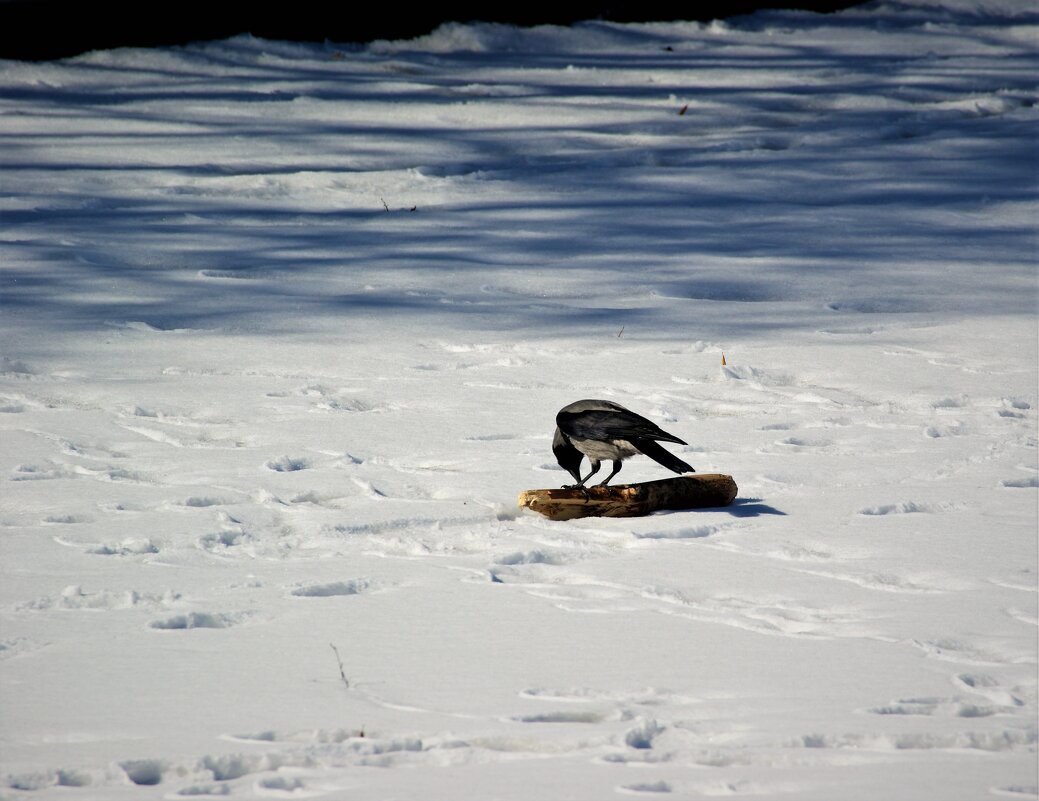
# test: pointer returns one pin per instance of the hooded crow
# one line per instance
(601, 429)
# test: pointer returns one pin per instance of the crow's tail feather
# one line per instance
(661, 456)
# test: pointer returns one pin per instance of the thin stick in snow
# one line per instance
(342, 673)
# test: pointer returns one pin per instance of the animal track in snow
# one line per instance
(316, 498)
(562, 717)
(995, 741)
(46, 472)
(959, 402)
(145, 772)
(955, 429)
(689, 533)
(308, 736)
(204, 791)
(334, 400)
(646, 787)
(55, 470)
(44, 779)
(535, 557)
(204, 501)
(905, 507)
(803, 443)
(65, 520)
(796, 553)
(773, 616)
(588, 695)
(131, 546)
(882, 582)
(940, 707)
(954, 650)
(1029, 792)
(989, 688)
(73, 597)
(332, 589)
(199, 620)
(643, 735)
(1020, 483)
(1014, 409)
(222, 541)
(277, 785)
(578, 593)
(13, 646)
(287, 464)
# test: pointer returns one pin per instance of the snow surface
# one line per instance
(285, 328)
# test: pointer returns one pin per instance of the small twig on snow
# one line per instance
(342, 673)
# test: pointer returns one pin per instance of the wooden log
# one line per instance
(698, 491)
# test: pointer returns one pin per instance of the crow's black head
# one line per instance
(567, 455)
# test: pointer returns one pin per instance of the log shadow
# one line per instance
(751, 507)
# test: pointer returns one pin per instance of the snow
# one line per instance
(284, 331)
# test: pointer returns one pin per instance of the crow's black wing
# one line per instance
(649, 448)
(604, 425)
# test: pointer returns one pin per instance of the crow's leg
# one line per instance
(616, 469)
(595, 469)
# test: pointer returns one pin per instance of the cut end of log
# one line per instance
(699, 491)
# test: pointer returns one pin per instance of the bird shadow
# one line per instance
(751, 507)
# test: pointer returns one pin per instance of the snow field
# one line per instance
(259, 415)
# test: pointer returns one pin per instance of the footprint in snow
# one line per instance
(535, 557)
(1014, 409)
(989, 688)
(221, 541)
(282, 784)
(144, 772)
(65, 520)
(306, 736)
(205, 791)
(1029, 792)
(958, 402)
(287, 464)
(803, 443)
(645, 787)
(642, 736)
(199, 620)
(17, 645)
(687, 533)
(882, 582)
(906, 507)
(332, 589)
(203, 502)
(954, 430)
(940, 707)
(954, 650)
(44, 472)
(74, 598)
(562, 717)
(589, 695)
(128, 547)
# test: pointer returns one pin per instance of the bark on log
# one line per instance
(632, 500)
